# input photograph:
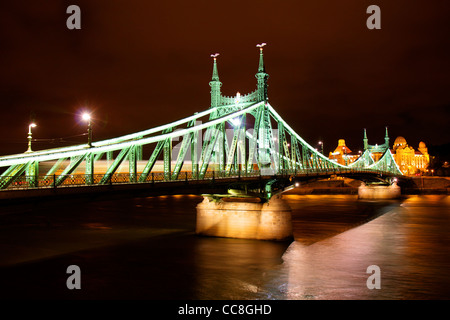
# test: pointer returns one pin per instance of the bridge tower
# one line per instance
(215, 84)
(265, 134)
(386, 138)
(262, 76)
(365, 140)
(376, 148)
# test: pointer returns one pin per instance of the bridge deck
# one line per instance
(156, 185)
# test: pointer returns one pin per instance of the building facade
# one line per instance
(409, 160)
(342, 154)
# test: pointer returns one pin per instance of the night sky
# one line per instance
(139, 64)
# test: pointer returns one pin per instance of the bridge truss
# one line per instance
(236, 136)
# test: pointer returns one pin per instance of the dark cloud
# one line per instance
(138, 64)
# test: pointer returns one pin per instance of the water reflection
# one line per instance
(408, 242)
(145, 248)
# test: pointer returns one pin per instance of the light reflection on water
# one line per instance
(409, 243)
(145, 248)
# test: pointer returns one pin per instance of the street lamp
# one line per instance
(87, 117)
(32, 125)
(321, 145)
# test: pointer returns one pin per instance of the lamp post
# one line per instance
(87, 117)
(321, 146)
(32, 125)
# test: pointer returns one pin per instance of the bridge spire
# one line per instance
(215, 84)
(365, 140)
(386, 138)
(261, 76)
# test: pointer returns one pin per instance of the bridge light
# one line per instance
(238, 98)
(32, 125)
(236, 121)
(321, 146)
(87, 117)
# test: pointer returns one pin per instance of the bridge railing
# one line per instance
(74, 180)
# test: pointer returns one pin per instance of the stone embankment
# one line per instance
(416, 185)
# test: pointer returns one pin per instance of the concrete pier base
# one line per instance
(245, 220)
(379, 192)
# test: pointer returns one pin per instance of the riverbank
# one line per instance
(417, 185)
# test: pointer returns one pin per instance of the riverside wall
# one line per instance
(415, 185)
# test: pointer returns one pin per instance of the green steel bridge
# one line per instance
(239, 139)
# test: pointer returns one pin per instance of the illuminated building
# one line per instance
(342, 154)
(409, 160)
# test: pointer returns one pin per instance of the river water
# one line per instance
(145, 248)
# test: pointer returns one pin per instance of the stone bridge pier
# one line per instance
(271, 220)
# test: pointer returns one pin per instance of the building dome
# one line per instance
(422, 145)
(399, 142)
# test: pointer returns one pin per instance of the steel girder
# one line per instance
(223, 143)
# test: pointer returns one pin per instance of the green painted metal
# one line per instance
(293, 154)
(8, 172)
(298, 155)
(242, 146)
(253, 141)
(74, 163)
(194, 154)
(149, 166)
(12, 174)
(187, 138)
(207, 138)
(167, 158)
(232, 151)
(280, 140)
(132, 163)
(365, 140)
(115, 165)
(89, 170)
(265, 136)
(215, 85)
(155, 154)
(208, 151)
(54, 168)
(219, 140)
(32, 174)
(262, 77)
(98, 156)
(377, 148)
(220, 149)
